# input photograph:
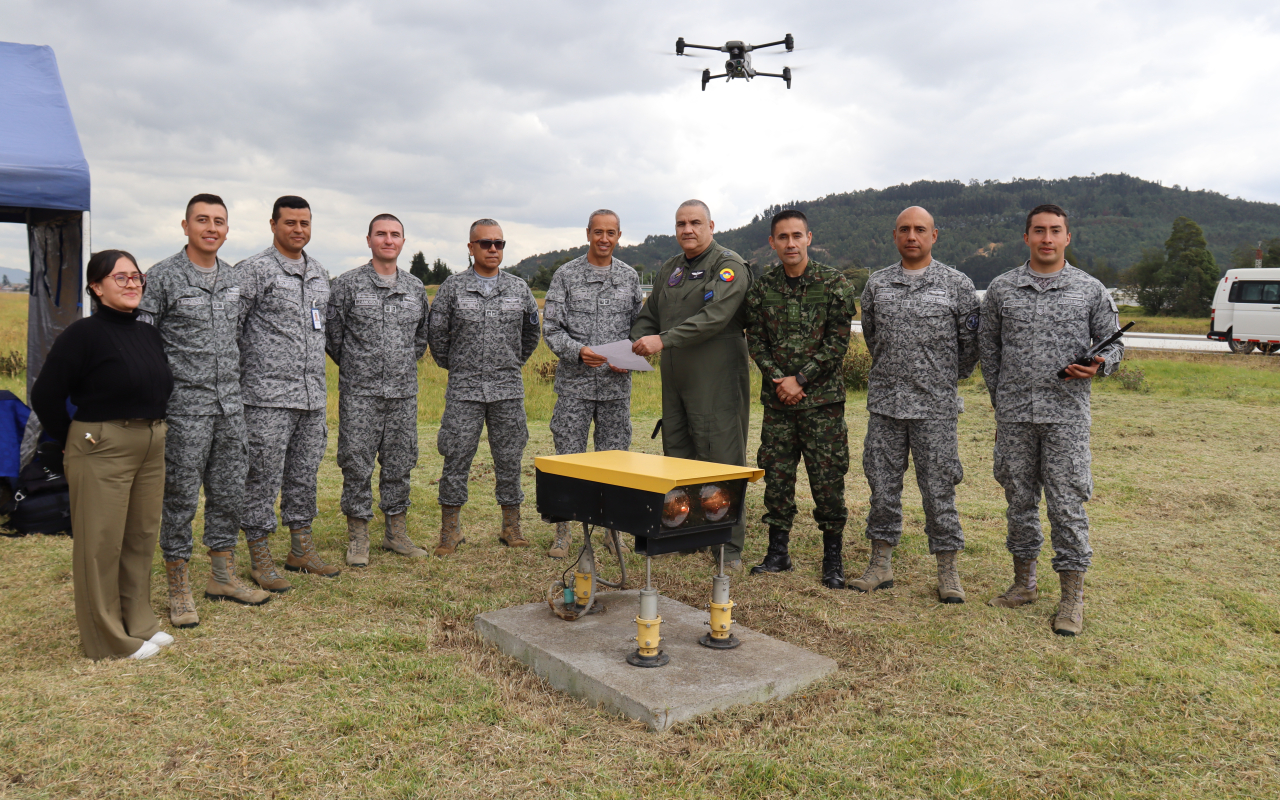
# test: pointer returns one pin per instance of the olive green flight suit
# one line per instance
(696, 307)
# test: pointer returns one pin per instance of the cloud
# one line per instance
(536, 113)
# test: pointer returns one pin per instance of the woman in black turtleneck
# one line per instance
(113, 370)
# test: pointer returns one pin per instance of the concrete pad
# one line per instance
(586, 658)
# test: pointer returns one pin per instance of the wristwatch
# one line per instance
(801, 379)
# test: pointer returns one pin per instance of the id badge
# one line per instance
(315, 319)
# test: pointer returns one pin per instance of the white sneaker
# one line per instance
(161, 639)
(146, 651)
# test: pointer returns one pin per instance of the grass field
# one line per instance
(375, 685)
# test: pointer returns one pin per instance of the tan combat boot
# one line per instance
(182, 608)
(879, 573)
(511, 535)
(303, 556)
(450, 530)
(396, 538)
(263, 570)
(1070, 618)
(622, 548)
(1023, 590)
(225, 584)
(357, 542)
(949, 588)
(563, 541)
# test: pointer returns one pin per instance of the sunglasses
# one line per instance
(122, 280)
(491, 244)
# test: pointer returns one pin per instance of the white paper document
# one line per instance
(620, 356)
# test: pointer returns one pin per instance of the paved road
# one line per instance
(1156, 341)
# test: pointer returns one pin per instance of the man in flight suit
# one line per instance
(1036, 320)
(483, 327)
(798, 326)
(375, 332)
(920, 321)
(694, 317)
(192, 299)
(284, 294)
(592, 300)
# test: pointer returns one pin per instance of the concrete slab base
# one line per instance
(587, 659)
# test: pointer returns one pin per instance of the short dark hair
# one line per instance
(603, 212)
(288, 201)
(205, 197)
(382, 217)
(483, 222)
(790, 213)
(99, 267)
(1048, 208)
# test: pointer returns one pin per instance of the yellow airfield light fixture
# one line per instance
(667, 504)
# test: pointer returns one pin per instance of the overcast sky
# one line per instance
(535, 113)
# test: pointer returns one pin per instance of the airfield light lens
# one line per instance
(675, 508)
(715, 502)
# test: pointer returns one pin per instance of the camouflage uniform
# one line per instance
(197, 315)
(696, 307)
(1028, 333)
(282, 377)
(376, 334)
(802, 330)
(586, 308)
(483, 335)
(922, 335)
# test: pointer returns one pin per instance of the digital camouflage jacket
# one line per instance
(922, 334)
(801, 331)
(376, 334)
(483, 339)
(583, 309)
(199, 329)
(1029, 333)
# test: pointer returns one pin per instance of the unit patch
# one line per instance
(677, 275)
(706, 298)
(973, 321)
(726, 275)
(533, 317)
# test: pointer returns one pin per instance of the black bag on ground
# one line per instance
(41, 502)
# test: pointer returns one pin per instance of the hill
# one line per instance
(1113, 217)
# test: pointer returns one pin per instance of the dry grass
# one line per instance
(375, 685)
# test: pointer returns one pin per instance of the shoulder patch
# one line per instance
(726, 275)
(973, 321)
(708, 297)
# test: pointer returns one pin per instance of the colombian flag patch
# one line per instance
(726, 275)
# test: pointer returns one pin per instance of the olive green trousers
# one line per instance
(115, 472)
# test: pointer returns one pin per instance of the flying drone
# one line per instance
(739, 63)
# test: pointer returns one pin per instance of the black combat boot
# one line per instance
(833, 560)
(776, 559)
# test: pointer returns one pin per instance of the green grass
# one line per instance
(375, 685)
(1148, 324)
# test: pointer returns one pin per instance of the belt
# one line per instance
(136, 423)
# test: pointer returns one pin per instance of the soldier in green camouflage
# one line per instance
(798, 321)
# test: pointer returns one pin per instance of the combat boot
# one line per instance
(303, 556)
(396, 538)
(357, 542)
(879, 573)
(1070, 618)
(949, 588)
(182, 609)
(225, 584)
(776, 558)
(263, 570)
(621, 549)
(1023, 590)
(563, 541)
(450, 530)
(511, 535)
(833, 560)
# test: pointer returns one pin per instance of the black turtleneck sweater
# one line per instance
(111, 367)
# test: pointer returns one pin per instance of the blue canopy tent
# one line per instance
(44, 184)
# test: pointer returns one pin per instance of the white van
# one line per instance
(1246, 311)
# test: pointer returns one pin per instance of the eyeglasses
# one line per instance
(122, 280)
(491, 244)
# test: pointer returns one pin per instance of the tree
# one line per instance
(418, 268)
(439, 271)
(6, 280)
(1189, 272)
(858, 277)
(1143, 279)
(542, 280)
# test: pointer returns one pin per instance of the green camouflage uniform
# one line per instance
(802, 330)
(696, 307)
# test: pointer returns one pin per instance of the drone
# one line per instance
(739, 63)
